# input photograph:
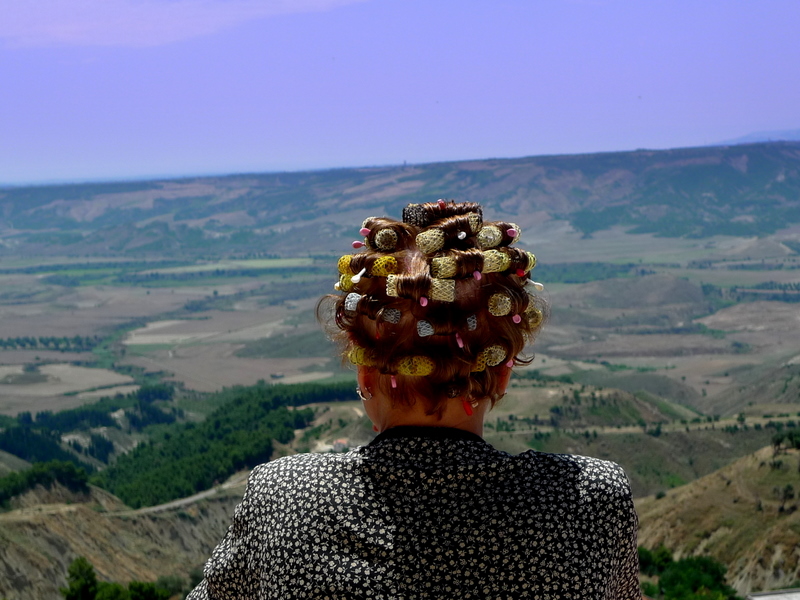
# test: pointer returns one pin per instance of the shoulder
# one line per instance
(592, 476)
(599, 489)
(289, 470)
(309, 460)
(572, 462)
(600, 473)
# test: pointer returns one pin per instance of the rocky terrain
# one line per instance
(50, 529)
(742, 515)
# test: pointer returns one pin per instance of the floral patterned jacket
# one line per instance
(429, 513)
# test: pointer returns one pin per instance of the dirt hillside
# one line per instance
(39, 541)
(740, 515)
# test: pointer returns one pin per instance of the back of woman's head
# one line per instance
(437, 303)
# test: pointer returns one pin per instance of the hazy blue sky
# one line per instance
(128, 88)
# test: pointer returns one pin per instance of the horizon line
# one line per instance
(209, 174)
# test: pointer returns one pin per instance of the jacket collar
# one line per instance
(418, 431)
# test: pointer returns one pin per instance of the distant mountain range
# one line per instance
(748, 190)
(783, 135)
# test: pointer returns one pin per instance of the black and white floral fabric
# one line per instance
(429, 513)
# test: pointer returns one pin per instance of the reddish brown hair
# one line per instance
(387, 328)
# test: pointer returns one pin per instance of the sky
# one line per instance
(125, 89)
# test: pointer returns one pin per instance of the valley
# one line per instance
(674, 284)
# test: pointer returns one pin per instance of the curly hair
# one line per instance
(437, 303)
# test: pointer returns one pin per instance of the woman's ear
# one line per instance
(366, 378)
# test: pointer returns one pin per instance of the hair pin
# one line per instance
(512, 233)
(510, 363)
(459, 341)
(394, 381)
(467, 408)
(462, 235)
(477, 275)
(358, 244)
(539, 286)
(423, 301)
(357, 277)
(442, 203)
(517, 319)
(364, 231)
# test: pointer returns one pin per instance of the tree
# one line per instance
(174, 584)
(81, 581)
(695, 578)
(654, 563)
(112, 591)
(146, 591)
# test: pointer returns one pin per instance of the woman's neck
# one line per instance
(385, 416)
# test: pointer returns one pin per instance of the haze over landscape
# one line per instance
(169, 217)
(140, 88)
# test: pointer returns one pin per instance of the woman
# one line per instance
(434, 312)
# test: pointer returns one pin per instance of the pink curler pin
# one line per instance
(459, 341)
(442, 203)
(357, 244)
(477, 275)
(394, 381)
(517, 319)
(520, 273)
(512, 232)
(423, 301)
(510, 363)
(364, 231)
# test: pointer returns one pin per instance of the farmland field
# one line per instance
(54, 387)
(210, 333)
(212, 282)
(671, 345)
